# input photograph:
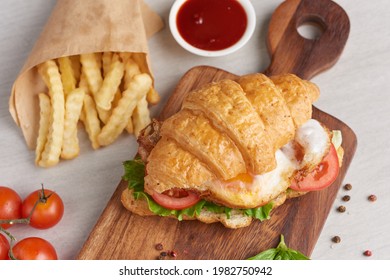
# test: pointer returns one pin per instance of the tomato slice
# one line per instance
(322, 176)
(176, 199)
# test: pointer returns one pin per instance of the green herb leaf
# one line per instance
(281, 252)
(134, 175)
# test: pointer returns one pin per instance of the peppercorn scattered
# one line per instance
(346, 198)
(367, 253)
(336, 239)
(341, 208)
(173, 254)
(372, 197)
(348, 187)
(163, 254)
(159, 247)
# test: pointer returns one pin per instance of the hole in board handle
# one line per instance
(311, 28)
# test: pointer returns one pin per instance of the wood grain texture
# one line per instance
(291, 53)
(119, 234)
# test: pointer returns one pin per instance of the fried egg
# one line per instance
(309, 146)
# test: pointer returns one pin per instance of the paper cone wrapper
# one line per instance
(77, 27)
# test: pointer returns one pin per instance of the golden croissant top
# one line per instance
(228, 128)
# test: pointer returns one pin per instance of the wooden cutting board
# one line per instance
(120, 234)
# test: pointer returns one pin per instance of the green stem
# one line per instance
(11, 244)
(17, 221)
(22, 220)
(282, 244)
(42, 199)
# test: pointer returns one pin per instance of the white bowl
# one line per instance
(250, 27)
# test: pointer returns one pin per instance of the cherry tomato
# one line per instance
(322, 176)
(10, 205)
(34, 248)
(176, 199)
(4, 247)
(48, 211)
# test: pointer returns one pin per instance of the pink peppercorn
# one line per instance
(367, 253)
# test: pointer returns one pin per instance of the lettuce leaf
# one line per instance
(134, 175)
(161, 211)
(212, 207)
(261, 213)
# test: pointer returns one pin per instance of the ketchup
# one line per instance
(211, 24)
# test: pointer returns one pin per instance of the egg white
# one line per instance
(309, 146)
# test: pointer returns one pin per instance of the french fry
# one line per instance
(75, 59)
(98, 56)
(153, 97)
(103, 114)
(67, 75)
(110, 85)
(112, 89)
(125, 56)
(83, 83)
(73, 107)
(137, 89)
(91, 70)
(91, 120)
(42, 70)
(106, 62)
(131, 69)
(52, 151)
(140, 59)
(141, 116)
(130, 125)
(44, 124)
(82, 114)
(117, 97)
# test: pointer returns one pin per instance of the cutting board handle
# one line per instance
(292, 53)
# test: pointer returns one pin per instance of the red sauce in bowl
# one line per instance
(211, 25)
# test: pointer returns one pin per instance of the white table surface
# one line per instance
(356, 90)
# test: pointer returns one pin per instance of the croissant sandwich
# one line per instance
(235, 151)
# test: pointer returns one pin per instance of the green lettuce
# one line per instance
(134, 175)
(260, 213)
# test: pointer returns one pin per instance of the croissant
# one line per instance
(237, 144)
(228, 128)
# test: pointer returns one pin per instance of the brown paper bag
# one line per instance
(77, 27)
